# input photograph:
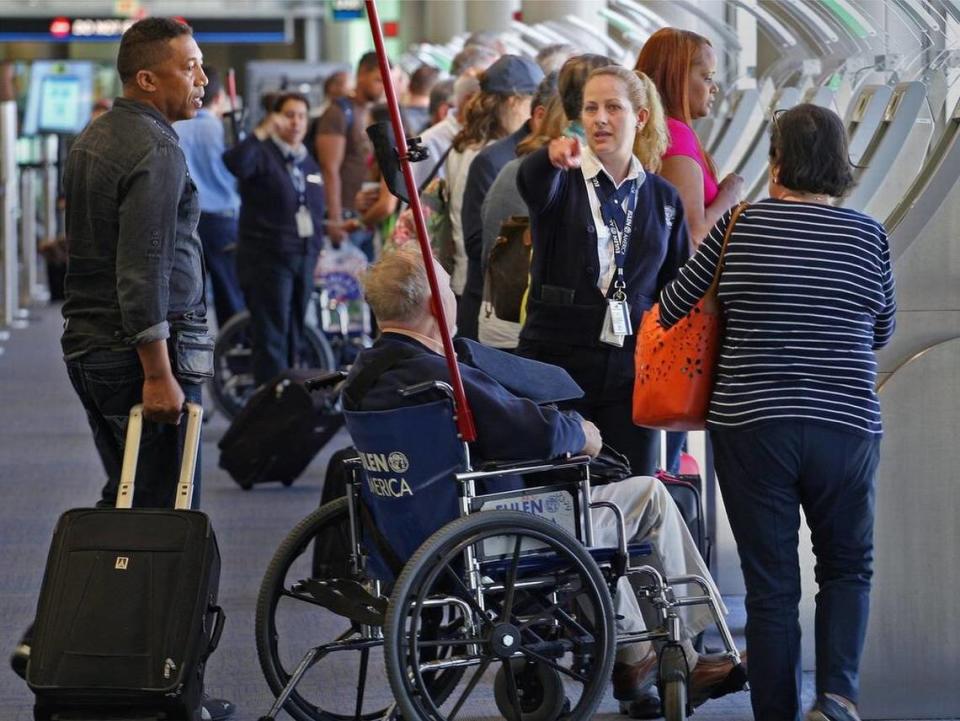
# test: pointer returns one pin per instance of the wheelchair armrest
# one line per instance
(426, 386)
(324, 381)
(494, 469)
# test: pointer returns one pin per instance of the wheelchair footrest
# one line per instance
(346, 597)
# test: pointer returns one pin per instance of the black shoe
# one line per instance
(216, 709)
(645, 707)
(20, 659)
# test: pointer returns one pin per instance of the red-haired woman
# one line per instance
(682, 66)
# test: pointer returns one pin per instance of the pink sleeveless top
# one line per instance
(683, 141)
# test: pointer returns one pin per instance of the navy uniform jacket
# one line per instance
(269, 204)
(509, 427)
(563, 324)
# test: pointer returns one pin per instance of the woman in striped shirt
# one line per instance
(808, 296)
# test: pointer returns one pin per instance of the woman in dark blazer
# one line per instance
(281, 232)
(576, 277)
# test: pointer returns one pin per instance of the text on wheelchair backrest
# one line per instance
(394, 462)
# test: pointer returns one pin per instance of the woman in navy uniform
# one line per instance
(281, 230)
(608, 235)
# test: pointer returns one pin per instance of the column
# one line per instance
(536, 11)
(443, 19)
(490, 14)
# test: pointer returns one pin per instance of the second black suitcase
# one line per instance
(281, 428)
(128, 608)
(685, 490)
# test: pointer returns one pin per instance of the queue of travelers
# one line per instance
(625, 210)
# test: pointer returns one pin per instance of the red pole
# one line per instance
(464, 416)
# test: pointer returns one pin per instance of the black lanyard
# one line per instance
(620, 240)
(296, 177)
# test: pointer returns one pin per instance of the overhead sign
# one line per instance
(95, 29)
(347, 9)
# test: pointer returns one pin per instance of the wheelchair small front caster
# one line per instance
(539, 692)
(672, 682)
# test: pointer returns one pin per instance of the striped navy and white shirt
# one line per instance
(808, 296)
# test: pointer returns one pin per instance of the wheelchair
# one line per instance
(337, 326)
(473, 602)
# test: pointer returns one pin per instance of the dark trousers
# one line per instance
(606, 376)
(641, 446)
(766, 474)
(109, 384)
(468, 314)
(218, 234)
(277, 287)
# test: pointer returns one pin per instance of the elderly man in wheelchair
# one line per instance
(516, 583)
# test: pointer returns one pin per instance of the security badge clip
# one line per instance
(304, 222)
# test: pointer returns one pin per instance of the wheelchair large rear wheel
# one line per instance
(541, 598)
(233, 383)
(290, 620)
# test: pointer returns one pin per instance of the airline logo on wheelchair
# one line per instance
(381, 463)
(556, 506)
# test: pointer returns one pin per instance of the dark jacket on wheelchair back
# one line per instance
(509, 425)
(409, 447)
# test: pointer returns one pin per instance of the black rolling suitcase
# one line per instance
(685, 490)
(128, 608)
(281, 428)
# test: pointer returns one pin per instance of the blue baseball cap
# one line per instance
(511, 75)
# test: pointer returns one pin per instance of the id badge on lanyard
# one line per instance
(616, 322)
(304, 222)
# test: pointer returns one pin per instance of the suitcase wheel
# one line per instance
(288, 481)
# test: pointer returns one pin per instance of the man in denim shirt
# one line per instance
(135, 272)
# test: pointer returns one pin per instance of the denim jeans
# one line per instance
(766, 474)
(109, 384)
(218, 233)
(676, 441)
(277, 287)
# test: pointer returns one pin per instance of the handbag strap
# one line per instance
(734, 216)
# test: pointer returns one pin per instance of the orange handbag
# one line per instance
(674, 369)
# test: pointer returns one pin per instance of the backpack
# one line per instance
(508, 268)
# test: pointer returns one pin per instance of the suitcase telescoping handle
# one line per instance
(188, 465)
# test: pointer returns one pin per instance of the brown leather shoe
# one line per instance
(715, 676)
(632, 681)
